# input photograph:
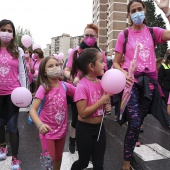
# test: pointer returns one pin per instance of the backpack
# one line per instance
(126, 38)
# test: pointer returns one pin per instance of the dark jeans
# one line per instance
(136, 111)
(9, 116)
(88, 146)
(166, 93)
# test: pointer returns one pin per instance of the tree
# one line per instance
(19, 33)
(153, 20)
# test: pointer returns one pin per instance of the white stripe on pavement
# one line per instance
(68, 159)
(5, 164)
(152, 152)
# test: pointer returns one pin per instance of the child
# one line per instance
(54, 114)
(90, 100)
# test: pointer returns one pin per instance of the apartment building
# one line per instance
(62, 44)
(111, 18)
(75, 41)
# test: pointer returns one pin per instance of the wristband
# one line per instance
(167, 14)
(39, 125)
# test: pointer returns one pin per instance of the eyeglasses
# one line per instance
(89, 35)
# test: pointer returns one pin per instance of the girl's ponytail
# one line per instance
(74, 68)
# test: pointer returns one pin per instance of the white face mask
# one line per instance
(54, 73)
(6, 37)
(109, 57)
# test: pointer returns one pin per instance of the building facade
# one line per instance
(111, 18)
(62, 44)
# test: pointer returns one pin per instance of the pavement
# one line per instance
(153, 154)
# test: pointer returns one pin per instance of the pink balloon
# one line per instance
(69, 51)
(113, 81)
(55, 55)
(60, 56)
(21, 97)
(26, 41)
(35, 46)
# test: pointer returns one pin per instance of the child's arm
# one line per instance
(43, 128)
(86, 111)
(168, 105)
(168, 109)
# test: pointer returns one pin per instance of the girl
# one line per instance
(13, 74)
(142, 95)
(53, 118)
(38, 55)
(89, 41)
(90, 100)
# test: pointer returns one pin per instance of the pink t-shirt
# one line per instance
(54, 111)
(9, 72)
(169, 99)
(36, 67)
(70, 59)
(92, 92)
(30, 75)
(146, 57)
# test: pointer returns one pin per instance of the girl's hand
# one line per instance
(76, 80)
(108, 107)
(44, 128)
(129, 81)
(163, 5)
(105, 99)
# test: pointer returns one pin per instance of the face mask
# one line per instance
(26, 55)
(54, 73)
(89, 41)
(109, 57)
(35, 56)
(138, 17)
(6, 37)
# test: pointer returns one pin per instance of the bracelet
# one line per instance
(40, 125)
(167, 15)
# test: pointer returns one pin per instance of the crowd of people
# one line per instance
(78, 83)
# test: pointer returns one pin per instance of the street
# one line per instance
(153, 154)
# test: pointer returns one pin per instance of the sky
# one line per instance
(48, 18)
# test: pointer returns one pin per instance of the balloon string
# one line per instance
(100, 127)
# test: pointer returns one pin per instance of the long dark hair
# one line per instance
(82, 60)
(128, 9)
(12, 47)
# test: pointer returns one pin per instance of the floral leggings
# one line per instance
(136, 111)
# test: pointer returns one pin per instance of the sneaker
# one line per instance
(15, 165)
(138, 144)
(3, 153)
(72, 145)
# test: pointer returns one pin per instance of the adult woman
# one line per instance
(138, 105)
(38, 55)
(13, 74)
(29, 65)
(89, 41)
(164, 78)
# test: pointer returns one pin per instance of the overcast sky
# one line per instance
(49, 18)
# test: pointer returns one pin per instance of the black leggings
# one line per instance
(74, 112)
(88, 146)
(9, 116)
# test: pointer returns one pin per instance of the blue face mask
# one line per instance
(138, 17)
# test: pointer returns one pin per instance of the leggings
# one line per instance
(136, 110)
(88, 146)
(9, 116)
